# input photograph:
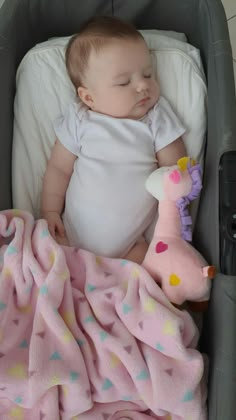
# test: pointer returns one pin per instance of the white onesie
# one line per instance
(107, 207)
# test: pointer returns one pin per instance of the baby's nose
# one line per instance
(142, 85)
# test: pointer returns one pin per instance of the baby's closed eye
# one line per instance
(126, 83)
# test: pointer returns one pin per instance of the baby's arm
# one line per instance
(167, 156)
(55, 183)
(170, 154)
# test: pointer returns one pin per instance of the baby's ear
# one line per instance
(85, 96)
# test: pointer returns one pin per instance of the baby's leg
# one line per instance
(138, 252)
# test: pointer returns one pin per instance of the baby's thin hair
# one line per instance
(94, 35)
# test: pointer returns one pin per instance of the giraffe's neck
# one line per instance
(169, 221)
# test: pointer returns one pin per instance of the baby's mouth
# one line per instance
(143, 101)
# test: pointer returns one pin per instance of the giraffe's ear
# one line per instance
(175, 176)
(154, 183)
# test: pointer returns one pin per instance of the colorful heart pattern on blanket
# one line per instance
(89, 338)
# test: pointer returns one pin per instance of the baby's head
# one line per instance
(110, 66)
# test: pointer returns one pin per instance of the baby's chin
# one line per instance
(136, 115)
(140, 111)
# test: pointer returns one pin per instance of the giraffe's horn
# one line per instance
(183, 163)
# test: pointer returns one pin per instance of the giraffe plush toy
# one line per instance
(175, 264)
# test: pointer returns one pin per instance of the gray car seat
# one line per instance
(23, 23)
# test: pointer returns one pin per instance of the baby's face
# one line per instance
(120, 80)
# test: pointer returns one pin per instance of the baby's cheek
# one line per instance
(118, 106)
(122, 102)
(156, 90)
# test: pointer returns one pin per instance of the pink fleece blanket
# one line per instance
(89, 338)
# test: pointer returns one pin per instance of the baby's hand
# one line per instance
(56, 227)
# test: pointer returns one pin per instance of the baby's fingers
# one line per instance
(52, 230)
(60, 228)
(62, 240)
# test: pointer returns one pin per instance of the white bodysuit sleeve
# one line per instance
(67, 128)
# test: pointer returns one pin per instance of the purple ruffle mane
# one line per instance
(183, 202)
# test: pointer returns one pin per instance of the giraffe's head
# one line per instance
(175, 182)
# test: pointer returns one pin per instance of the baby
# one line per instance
(108, 142)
